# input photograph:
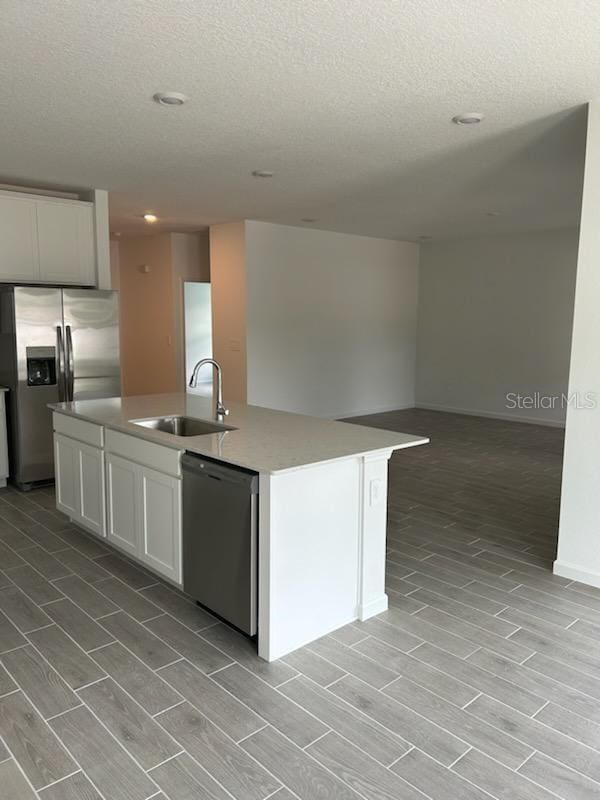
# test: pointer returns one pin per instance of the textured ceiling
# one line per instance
(347, 101)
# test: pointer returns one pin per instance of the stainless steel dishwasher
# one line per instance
(219, 549)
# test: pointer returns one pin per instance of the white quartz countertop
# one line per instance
(265, 440)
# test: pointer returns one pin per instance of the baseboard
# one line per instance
(474, 412)
(368, 610)
(367, 412)
(576, 574)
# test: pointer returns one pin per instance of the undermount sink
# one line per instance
(182, 426)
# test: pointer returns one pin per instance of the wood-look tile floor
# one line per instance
(482, 679)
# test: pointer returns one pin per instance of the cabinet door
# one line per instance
(66, 462)
(19, 260)
(65, 237)
(161, 523)
(122, 484)
(91, 489)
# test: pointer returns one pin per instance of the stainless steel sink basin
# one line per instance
(182, 426)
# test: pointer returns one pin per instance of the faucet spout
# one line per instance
(221, 411)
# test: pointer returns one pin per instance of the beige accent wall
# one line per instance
(147, 317)
(228, 280)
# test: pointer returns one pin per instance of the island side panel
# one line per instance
(309, 572)
(372, 598)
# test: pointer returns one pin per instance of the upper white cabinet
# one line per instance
(66, 243)
(46, 240)
(19, 260)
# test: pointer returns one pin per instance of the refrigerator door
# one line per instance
(37, 321)
(91, 332)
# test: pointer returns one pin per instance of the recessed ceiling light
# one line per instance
(151, 218)
(170, 98)
(308, 219)
(469, 118)
(262, 173)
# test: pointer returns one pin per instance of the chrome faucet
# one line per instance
(221, 411)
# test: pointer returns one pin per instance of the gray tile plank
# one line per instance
(13, 785)
(293, 767)
(128, 599)
(242, 650)
(14, 538)
(183, 778)
(314, 667)
(87, 569)
(21, 611)
(442, 683)
(475, 635)
(229, 714)
(41, 683)
(379, 742)
(224, 760)
(550, 679)
(466, 572)
(80, 627)
(353, 662)
(177, 606)
(77, 539)
(4, 754)
(552, 648)
(6, 682)
(293, 721)
(34, 584)
(563, 610)
(413, 727)
(500, 782)
(359, 771)
(559, 779)
(9, 635)
(40, 535)
(144, 685)
(136, 731)
(85, 596)
(465, 612)
(393, 634)
(66, 657)
(125, 571)
(45, 563)
(424, 630)
(567, 638)
(75, 787)
(187, 643)
(572, 725)
(34, 746)
(466, 596)
(537, 736)
(519, 599)
(152, 651)
(475, 732)
(104, 761)
(9, 558)
(348, 634)
(480, 678)
(435, 781)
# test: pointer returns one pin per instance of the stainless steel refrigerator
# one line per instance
(55, 345)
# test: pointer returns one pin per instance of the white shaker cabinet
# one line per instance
(66, 243)
(122, 489)
(46, 240)
(79, 476)
(160, 517)
(19, 256)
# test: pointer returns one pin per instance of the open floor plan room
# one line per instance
(482, 679)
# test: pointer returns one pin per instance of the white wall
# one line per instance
(331, 321)
(579, 531)
(495, 316)
(228, 280)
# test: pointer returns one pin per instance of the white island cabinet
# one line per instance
(321, 506)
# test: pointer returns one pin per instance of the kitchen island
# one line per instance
(321, 509)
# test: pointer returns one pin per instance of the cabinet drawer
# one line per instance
(156, 456)
(79, 429)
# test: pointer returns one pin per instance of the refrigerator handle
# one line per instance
(70, 363)
(62, 378)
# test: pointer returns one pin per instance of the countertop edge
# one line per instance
(146, 434)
